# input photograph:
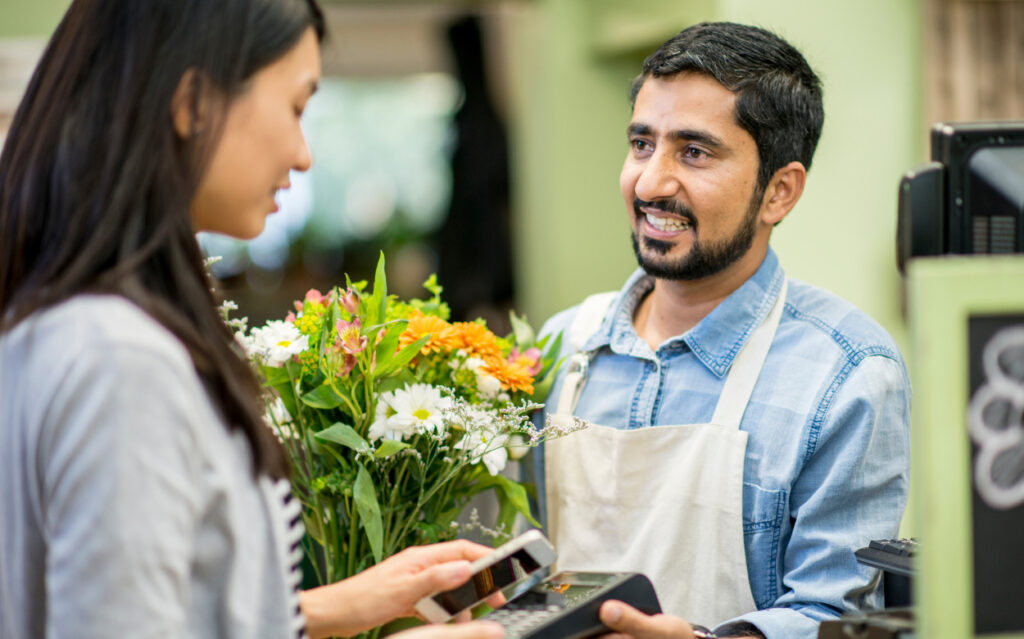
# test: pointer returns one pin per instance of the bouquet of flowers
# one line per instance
(393, 417)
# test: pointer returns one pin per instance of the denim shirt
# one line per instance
(828, 453)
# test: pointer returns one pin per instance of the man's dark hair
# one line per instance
(778, 96)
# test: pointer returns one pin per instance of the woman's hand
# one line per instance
(390, 589)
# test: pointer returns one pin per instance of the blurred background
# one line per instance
(482, 140)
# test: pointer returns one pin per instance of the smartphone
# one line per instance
(508, 564)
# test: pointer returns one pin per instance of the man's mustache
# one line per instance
(668, 206)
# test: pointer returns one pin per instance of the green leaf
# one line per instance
(389, 345)
(402, 358)
(369, 512)
(516, 495)
(506, 516)
(377, 303)
(274, 375)
(542, 387)
(322, 397)
(380, 290)
(325, 331)
(344, 435)
(433, 288)
(522, 330)
(389, 447)
(291, 404)
(551, 354)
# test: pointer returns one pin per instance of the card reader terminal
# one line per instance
(565, 605)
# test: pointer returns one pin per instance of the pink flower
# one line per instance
(350, 340)
(350, 301)
(528, 359)
(290, 317)
(313, 295)
(346, 364)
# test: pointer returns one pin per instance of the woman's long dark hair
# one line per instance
(95, 185)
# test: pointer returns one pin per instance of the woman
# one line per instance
(140, 492)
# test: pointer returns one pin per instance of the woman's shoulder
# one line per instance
(105, 325)
(97, 345)
(94, 368)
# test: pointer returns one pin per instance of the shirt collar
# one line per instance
(716, 339)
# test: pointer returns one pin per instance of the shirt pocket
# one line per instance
(763, 513)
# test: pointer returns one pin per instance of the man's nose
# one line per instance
(658, 179)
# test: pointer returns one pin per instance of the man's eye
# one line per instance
(693, 153)
(640, 145)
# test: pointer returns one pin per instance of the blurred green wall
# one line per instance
(574, 60)
(571, 64)
(30, 18)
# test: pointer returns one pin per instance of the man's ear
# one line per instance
(189, 106)
(783, 192)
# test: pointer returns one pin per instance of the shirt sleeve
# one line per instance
(119, 479)
(853, 488)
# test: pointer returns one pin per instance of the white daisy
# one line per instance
(279, 412)
(419, 407)
(278, 342)
(407, 411)
(382, 426)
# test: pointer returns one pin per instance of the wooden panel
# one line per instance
(974, 60)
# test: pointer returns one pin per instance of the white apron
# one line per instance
(666, 501)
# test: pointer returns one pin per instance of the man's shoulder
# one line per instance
(837, 321)
(560, 321)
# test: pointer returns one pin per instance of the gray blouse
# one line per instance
(127, 509)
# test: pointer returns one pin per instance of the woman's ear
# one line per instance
(783, 192)
(189, 108)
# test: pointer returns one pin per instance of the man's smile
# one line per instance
(664, 216)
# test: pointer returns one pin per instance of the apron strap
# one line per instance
(588, 318)
(746, 368)
(586, 322)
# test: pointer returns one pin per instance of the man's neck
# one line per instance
(674, 307)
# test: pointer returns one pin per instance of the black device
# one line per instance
(895, 558)
(879, 624)
(970, 198)
(565, 605)
(891, 555)
(506, 567)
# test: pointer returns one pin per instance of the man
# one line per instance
(749, 432)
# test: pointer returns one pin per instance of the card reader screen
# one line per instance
(488, 581)
(575, 587)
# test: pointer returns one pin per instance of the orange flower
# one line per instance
(439, 330)
(512, 375)
(476, 340)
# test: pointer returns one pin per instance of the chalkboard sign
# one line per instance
(995, 419)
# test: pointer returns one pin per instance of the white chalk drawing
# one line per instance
(995, 420)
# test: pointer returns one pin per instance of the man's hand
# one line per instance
(469, 630)
(390, 589)
(627, 622)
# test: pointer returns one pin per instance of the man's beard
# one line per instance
(702, 260)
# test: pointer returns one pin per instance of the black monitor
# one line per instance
(970, 198)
